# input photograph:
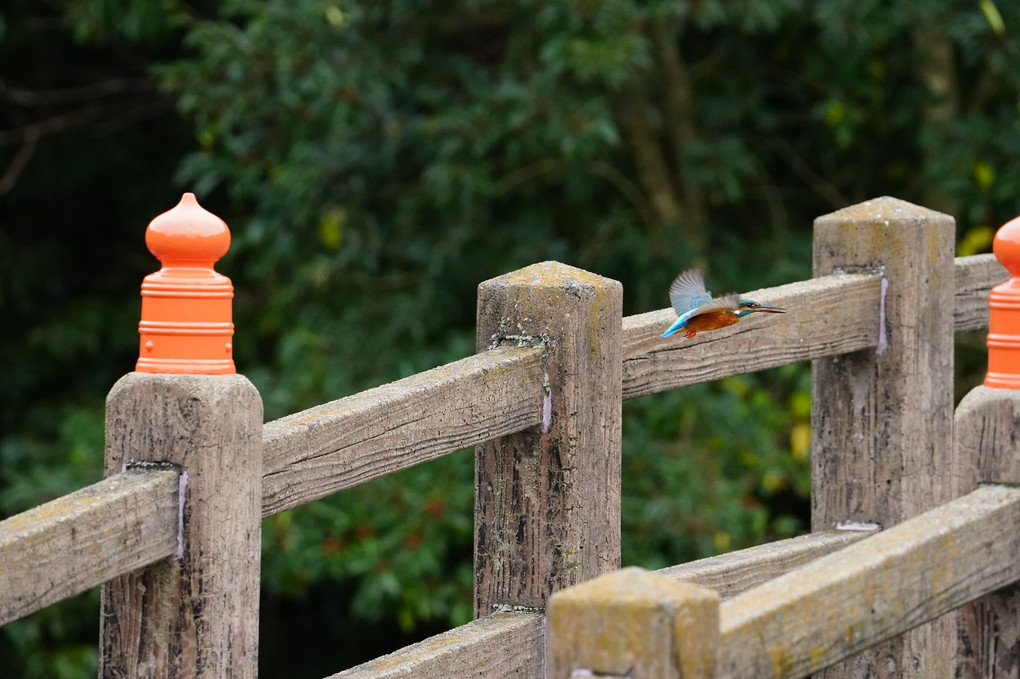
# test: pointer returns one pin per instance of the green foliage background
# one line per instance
(377, 160)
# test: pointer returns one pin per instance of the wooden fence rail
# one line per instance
(800, 622)
(343, 443)
(541, 401)
(81, 540)
(871, 591)
(353, 440)
(513, 644)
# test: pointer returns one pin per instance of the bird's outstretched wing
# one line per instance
(688, 292)
(724, 302)
(690, 298)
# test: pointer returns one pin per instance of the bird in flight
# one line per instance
(697, 311)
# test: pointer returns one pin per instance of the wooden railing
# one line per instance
(799, 622)
(172, 533)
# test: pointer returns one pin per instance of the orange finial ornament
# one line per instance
(1004, 308)
(186, 324)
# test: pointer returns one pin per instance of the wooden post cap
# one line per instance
(186, 324)
(1004, 312)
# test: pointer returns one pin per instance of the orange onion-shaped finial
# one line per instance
(186, 324)
(1004, 312)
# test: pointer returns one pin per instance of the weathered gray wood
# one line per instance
(196, 615)
(975, 277)
(513, 644)
(547, 500)
(988, 636)
(81, 540)
(873, 590)
(498, 646)
(881, 419)
(987, 438)
(736, 572)
(337, 445)
(633, 624)
(987, 449)
(826, 316)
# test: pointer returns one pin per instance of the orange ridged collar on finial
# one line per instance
(1004, 312)
(186, 324)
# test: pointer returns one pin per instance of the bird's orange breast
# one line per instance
(711, 320)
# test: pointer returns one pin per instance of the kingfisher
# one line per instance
(697, 311)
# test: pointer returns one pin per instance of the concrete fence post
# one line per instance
(882, 418)
(547, 500)
(633, 624)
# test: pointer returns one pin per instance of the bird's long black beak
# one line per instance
(766, 309)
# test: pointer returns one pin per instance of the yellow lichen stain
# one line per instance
(940, 576)
(933, 249)
(595, 323)
(565, 559)
(942, 572)
(817, 654)
(850, 633)
(549, 274)
(782, 663)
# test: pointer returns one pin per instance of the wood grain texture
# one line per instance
(513, 644)
(337, 445)
(83, 539)
(881, 421)
(195, 616)
(734, 573)
(547, 499)
(825, 316)
(500, 646)
(874, 590)
(633, 624)
(975, 278)
(986, 439)
(987, 450)
(989, 636)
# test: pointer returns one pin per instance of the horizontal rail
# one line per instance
(633, 621)
(736, 572)
(826, 316)
(513, 644)
(338, 445)
(975, 278)
(869, 592)
(341, 444)
(496, 646)
(83, 539)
